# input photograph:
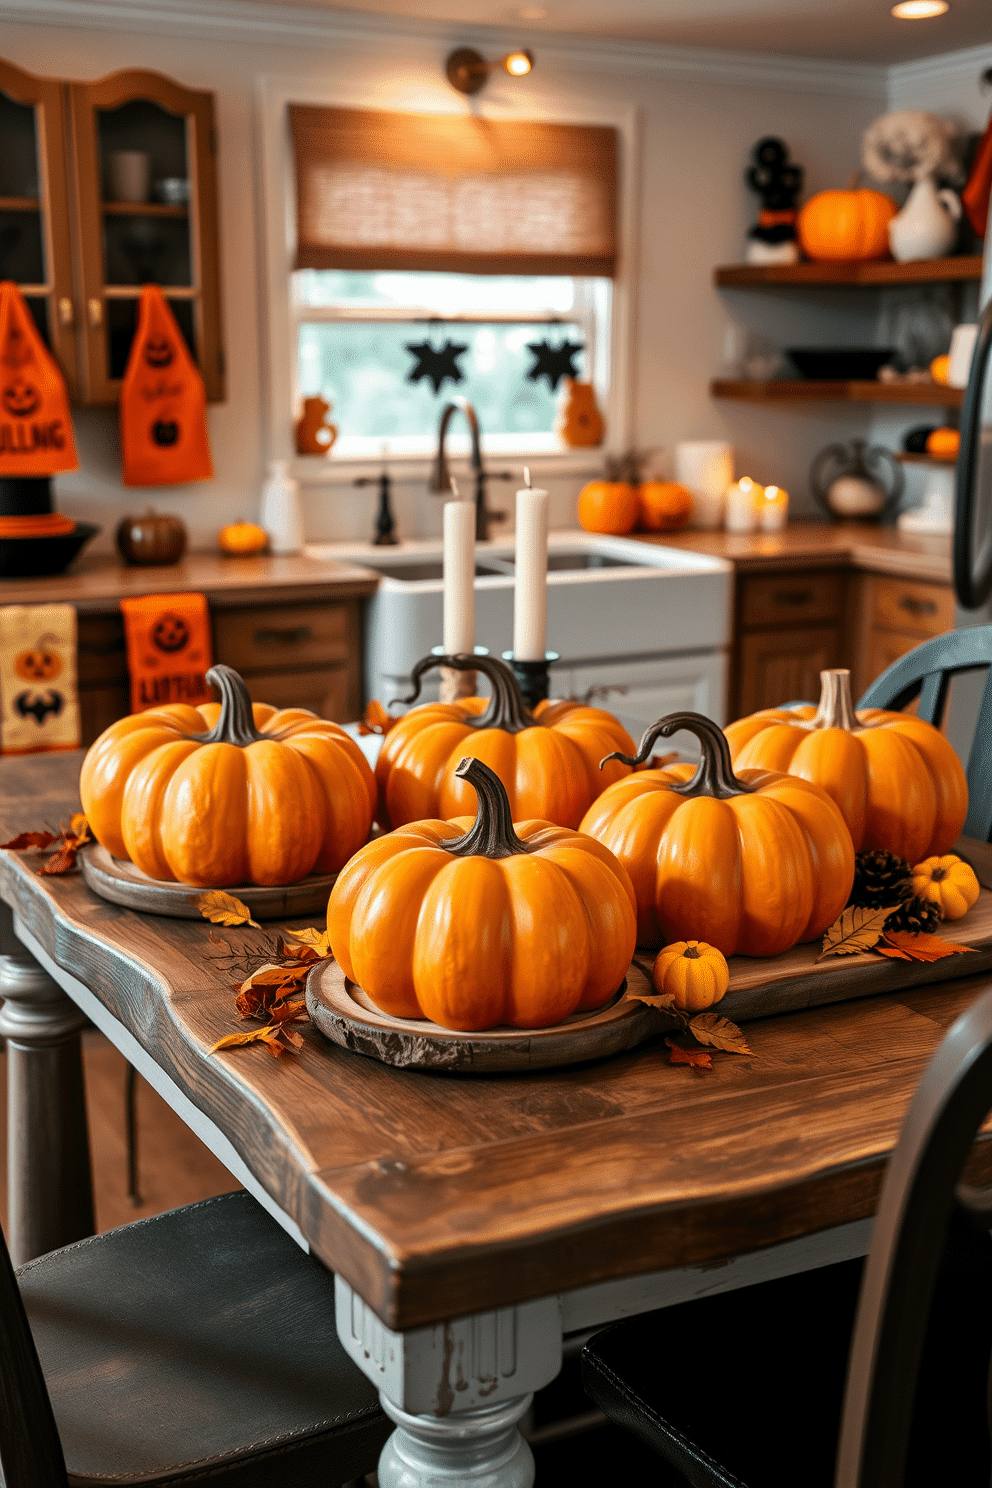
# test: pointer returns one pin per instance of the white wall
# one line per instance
(699, 121)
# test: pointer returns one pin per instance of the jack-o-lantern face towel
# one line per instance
(163, 403)
(39, 699)
(35, 426)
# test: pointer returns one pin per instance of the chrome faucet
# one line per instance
(440, 482)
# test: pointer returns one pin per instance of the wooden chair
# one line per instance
(926, 673)
(197, 1345)
(747, 1388)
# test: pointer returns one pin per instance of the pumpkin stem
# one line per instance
(715, 774)
(507, 709)
(236, 724)
(491, 835)
(836, 709)
(691, 953)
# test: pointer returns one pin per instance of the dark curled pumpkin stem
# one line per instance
(491, 835)
(715, 774)
(236, 724)
(507, 709)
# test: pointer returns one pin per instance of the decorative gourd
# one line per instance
(949, 881)
(479, 924)
(751, 864)
(228, 794)
(239, 538)
(608, 506)
(665, 506)
(695, 974)
(944, 442)
(896, 779)
(154, 538)
(846, 225)
(579, 423)
(548, 760)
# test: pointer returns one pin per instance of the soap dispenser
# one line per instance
(281, 513)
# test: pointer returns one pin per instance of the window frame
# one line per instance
(282, 312)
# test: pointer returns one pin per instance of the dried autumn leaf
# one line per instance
(922, 947)
(239, 1040)
(376, 720)
(223, 909)
(288, 1012)
(79, 828)
(721, 1033)
(24, 840)
(318, 941)
(893, 952)
(856, 930)
(663, 1001)
(274, 976)
(62, 861)
(697, 1059)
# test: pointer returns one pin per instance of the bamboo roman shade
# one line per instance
(383, 190)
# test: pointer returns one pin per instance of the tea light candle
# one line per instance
(530, 598)
(459, 577)
(742, 502)
(773, 509)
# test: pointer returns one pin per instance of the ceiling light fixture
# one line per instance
(919, 10)
(468, 71)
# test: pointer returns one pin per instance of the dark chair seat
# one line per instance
(200, 1343)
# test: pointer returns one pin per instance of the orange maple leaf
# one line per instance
(697, 1059)
(904, 945)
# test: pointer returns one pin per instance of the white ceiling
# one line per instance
(848, 30)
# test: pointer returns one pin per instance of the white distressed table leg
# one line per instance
(456, 1390)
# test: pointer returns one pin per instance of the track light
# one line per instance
(468, 71)
(919, 10)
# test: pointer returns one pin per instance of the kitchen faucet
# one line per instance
(440, 482)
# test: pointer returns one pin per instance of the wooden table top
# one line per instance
(860, 545)
(437, 1195)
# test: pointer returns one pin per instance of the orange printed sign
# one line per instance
(35, 424)
(163, 403)
(168, 649)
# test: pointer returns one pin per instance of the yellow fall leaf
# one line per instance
(317, 940)
(223, 909)
(266, 1035)
(855, 930)
(719, 1032)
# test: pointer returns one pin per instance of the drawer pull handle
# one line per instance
(293, 635)
(794, 597)
(916, 606)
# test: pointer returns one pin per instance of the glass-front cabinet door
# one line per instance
(146, 213)
(35, 249)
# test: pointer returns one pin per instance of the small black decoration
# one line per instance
(438, 364)
(553, 362)
(778, 182)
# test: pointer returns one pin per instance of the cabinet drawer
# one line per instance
(326, 693)
(101, 657)
(791, 598)
(920, 609)
(272, 638)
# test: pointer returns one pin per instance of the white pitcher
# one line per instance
(927, 225)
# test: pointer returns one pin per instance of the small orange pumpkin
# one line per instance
(949, 881)
(944, 442)
(846, 225)
(897, 780)
(608, 506)
(239, 538)
(694, 974)
(665, 506)
(479, 924)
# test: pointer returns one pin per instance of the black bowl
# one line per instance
(840, 363)
(32, 557)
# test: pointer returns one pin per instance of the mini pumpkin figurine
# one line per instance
(152, 539)
(241, 538)
(579, 423)
(948, 881)
(694, 974)
(477, 924)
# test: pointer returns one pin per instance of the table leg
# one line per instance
(455, 1390)
(49, 1187)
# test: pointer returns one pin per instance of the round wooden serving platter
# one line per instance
(347, 1016)
(123, 883)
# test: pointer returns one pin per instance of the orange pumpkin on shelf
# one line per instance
(228, 793)
(750, 864)
(664, 506)
(477, 924)
(548, 760)
(944, 442)
(846, 225)
(897, 780)
(610, 506)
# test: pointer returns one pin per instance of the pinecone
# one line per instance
(880, 877)
(918, 915)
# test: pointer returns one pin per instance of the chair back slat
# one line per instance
(914, 1215)
(30, 1449)
(979, 820)
(933, 697)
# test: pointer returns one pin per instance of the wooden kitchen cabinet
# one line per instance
(790, 625)
(893, 617)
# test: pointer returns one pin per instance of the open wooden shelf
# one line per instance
(142, 209)
(19, 204)
(925, 459)
(808, 390)
(882, 271)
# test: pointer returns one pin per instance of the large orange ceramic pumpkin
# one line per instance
(897, 780)
(751, 864)
(477, 924)
(846, 225)
(228, 794)
(608, 506)
(548, 760)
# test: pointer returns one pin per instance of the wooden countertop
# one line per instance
(820, 545)
(95, 585)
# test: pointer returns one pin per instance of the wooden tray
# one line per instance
(123, 883)
(347, 1016)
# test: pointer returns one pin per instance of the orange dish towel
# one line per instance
(39, 698)
(168, 649)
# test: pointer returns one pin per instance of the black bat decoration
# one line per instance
(438, 364)
(553, 362)
(37, 706)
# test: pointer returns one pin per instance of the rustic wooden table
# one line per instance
(473, 1223)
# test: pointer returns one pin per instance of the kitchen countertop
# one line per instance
(857, 545)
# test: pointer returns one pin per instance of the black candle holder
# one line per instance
(532, 676)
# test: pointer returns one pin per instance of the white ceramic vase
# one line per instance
(281, 514)
(927, 225)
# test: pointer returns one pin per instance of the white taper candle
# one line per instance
(530, 599)
(459, 577)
